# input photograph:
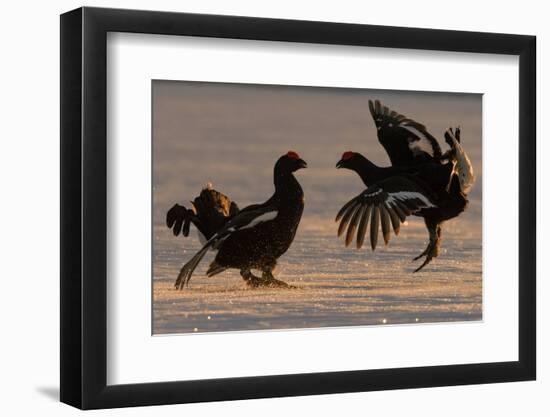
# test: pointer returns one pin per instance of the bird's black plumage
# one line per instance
(209, 212)
(421, 181)
(256, 236)
(388, 201)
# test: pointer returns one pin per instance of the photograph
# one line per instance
(275, 209)
(294, 207)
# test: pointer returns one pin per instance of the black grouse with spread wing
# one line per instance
(421, 181)
(252, 238)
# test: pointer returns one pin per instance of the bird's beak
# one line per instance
(340, 163)
(302, 163)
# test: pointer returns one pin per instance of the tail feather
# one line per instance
(179, 218)
(462, 166)
(188, 269)
(213, 209)
(214, 269)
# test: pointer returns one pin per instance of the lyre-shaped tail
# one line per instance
(188, 269)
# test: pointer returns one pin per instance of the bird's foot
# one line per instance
(416, 258)
(272, 282)
(276, 283)
(266, 281)
(432, 251)
(254, 282)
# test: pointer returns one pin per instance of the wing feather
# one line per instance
(387, 204)
(406, 141)
(362, 230)
(353, 224)
(347, 216)
(343, 210)
(374, 224)
(372, 109)
(394, 218)
(400, 213)
(403, 207)
(385, 222)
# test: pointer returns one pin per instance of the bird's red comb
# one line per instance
(347, 155)
(292, 155)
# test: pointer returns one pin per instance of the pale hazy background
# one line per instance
(231, 135)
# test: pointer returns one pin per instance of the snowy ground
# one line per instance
(336, 286)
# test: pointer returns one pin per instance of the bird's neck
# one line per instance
(367, 170)
(287, 187)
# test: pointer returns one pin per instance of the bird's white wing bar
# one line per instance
(247, 218)
(270, 215)
(403, 196)
(419, 142)
(386, 203)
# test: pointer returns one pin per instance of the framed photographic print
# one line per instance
(257, 208)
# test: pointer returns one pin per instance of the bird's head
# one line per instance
(350, 160)
(290, 162)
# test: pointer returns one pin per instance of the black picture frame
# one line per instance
(84, 207)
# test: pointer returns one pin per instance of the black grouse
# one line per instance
(421, 181)
(251, 238)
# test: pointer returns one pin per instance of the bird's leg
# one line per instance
(432, 232)
(252, 280)
(271, 281)
(432, 250)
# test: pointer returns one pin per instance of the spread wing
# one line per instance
(385, 203)
(406, 141)
(248, 217)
